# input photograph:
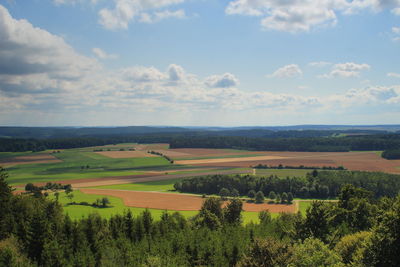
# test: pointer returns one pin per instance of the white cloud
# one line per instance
(396, 30)
(126, 11)
(73, 2)
(346, 70)
(396, 11)
(31, 54)
(303, 15)
(158, 16)
(176, 73)
(288, 71)
(225, 80)
(319, 64)
(393, 74)
(100, 53)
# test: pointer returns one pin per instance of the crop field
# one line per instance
(117, 206)
(134, 179)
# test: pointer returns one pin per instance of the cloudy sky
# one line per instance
(199, 62)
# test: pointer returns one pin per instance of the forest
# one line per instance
(391, 154)
(358, 230)
(317, 184)
(211, 140)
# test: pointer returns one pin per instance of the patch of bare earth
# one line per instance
(37, 158)
(125, 154)
(223, 160)
(361, 161)
(180, 202)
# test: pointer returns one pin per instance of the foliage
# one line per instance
(318, 184)
(391, 154)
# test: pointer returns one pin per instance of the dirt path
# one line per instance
(179, 202)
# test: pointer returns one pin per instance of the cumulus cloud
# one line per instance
(225, 80)
(319, 64)
(346, 70)
(393, 75)
(303, 15)
(32, 54)
(101, 54)
(158, 16)
(126, 11)
(288, 71)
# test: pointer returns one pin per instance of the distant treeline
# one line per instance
(314, 144)
(301, 167)
(317, 184)
(391, 154)
(205, 140)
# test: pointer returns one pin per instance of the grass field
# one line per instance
(117, 207)
(303, 205)
(283, 173)
(160, 186)
(74, 160)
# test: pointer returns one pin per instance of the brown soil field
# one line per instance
(151, 176)
(146, 147)
(125, 154)
(206, 152)
(180, 202)
(223, 160)
(37, 158)
(362, 161)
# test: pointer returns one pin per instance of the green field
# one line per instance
(74, 160)
(161, 186)
(283, 173)
(117, 207)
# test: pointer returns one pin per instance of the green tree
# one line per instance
(233, 211)
(272, 195)
(224, 193)
(265, 217)
(251, 194)
(6, 217)
(313, 252)
(105, 201)
(383, 249)
(290, 197)
(316, 221)
(234, 192)
(350, 247)
(284, 197)
(260, 197)
(265, 253)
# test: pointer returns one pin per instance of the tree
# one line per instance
(316, 222)
(251, 194)
(57, 195)
(234, 193)
(265, 253)
(224, 193)
(6, 218)
(350, 247)
(232, 212)
(284, 197)
(272, 195)
(70, 196)
(105, 201)
(265, 217)
(313, 252)
(29, 187)
(290, 197)
(260, 197)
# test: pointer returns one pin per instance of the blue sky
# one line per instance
(199, 62)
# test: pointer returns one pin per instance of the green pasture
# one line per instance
(74, 166)
(283, 173)
(117, 207)
(160, 186)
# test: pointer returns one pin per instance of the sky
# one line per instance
(199, 62)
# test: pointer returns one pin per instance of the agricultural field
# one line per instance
(134, 179)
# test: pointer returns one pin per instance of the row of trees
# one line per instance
(358, 230)
(317, 184)
(301, 167)
(391, 154)
(212, 140)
